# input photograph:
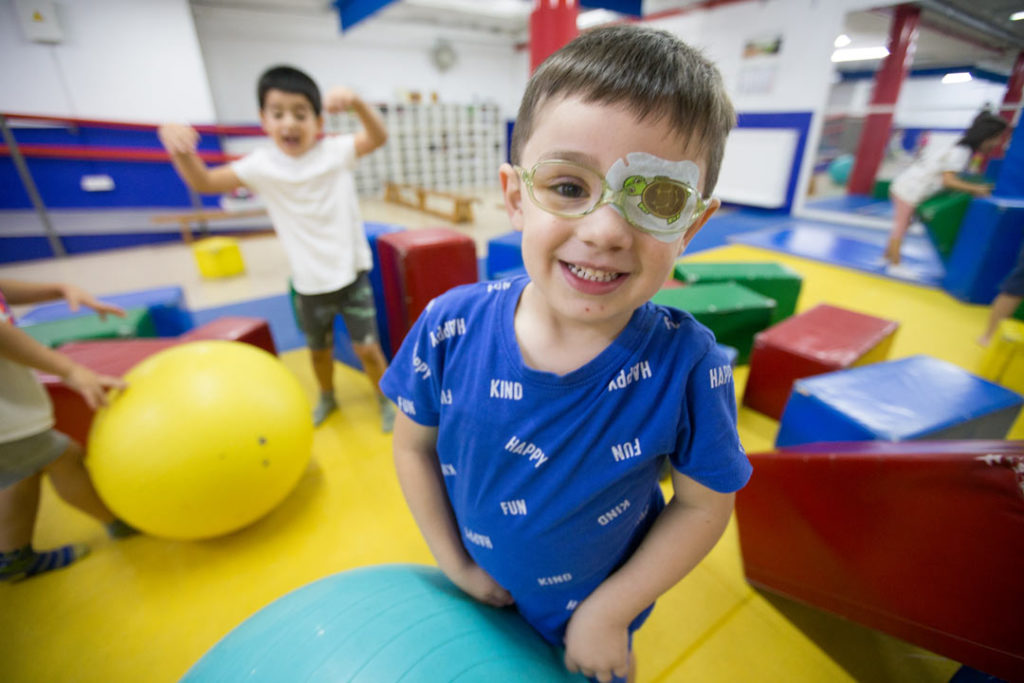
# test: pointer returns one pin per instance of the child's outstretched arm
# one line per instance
(180, 141)
(952, 181)
(374, 132)
(420, 477)
(597, 637)
(22, 292)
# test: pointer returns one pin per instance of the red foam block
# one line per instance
(922, 540)
(823, 339)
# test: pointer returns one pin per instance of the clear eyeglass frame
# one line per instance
(617, 198)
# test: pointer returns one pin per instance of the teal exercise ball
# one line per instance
(382, 624)
(839, 169)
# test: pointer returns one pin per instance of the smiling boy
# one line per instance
(531, 432)
(306, 183)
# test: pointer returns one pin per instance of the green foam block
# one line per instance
(942, 216)
(769, 279)
(137, 323)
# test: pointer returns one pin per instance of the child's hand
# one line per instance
(472, 579)
(91, 386)
(982, 191)
(595, 645)
(77, 297)
(339, 99)
(178, 138)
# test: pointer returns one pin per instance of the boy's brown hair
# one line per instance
(650, 72)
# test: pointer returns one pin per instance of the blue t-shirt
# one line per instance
(553, 479)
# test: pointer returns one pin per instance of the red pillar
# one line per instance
(552, 25)
(875, 136)
(1011, 100)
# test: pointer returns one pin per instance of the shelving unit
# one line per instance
(434, 146)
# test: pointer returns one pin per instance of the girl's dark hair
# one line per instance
(985, 125)
(650, 72)
(291, 80)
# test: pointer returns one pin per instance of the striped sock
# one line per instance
(25, 562)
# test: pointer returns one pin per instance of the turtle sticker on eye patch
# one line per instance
(655, 195)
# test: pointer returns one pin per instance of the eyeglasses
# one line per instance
(658, 205)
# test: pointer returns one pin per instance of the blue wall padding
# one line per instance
(504, 253)
(910, 398)
(1010, 181)
(386, 623)
(166, 305)
(986, 248)
(342, 341)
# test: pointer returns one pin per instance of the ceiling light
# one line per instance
(1017, 16)
(858, 54)
(956, 77)
(842, 40)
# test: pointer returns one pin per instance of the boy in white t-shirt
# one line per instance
(307, 185)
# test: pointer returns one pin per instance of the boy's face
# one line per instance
(596, 269)
(289, 120)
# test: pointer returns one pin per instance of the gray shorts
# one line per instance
(22, 458)
(354, 303)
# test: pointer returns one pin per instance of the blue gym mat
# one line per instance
(859, 204)
(276, 310)
(850, 247)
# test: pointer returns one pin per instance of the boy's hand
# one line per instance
(178, 138)
(595, 645)
(339, 99)
(91, 386)
(77, 297)
(472, 579)
(982, 191)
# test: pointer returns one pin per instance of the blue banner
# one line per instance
(351, 12)
(633, 7)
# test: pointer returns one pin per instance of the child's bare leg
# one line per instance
(19, 504)
(374, 364)
(903, 216)
(71, 481)
(1002, 307)
(323, 369)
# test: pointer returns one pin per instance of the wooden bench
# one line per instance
(187, 218)
(423, 199)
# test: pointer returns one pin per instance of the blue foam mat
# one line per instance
(858, 204)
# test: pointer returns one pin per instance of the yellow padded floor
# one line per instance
(146, 609)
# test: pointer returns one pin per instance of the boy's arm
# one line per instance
(22, 292)
(374, 132)
(952, 181)
(19, 347)
(596, 639)
(180, 142)
(423, 486)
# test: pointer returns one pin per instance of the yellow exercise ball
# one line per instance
(208, 437)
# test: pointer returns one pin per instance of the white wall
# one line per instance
(924, 101)
(380, 60)
(123, 60)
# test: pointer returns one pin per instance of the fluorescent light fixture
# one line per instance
(842, 40)
(956, 77)
(1017, 16)
(859, 54)
(595, 17)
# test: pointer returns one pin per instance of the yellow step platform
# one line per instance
(218, 257)
(1003, 362)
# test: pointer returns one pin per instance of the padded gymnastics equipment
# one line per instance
(733, 312)
(919, 539)
(382, 624)
(839, 169)
(218, 257)
(137, 322)
(208, 437)
(116, 356)
(418, 265)
(373, 233)
(991, 238)
(911, 398)
(942, 215)
(769, 279)
(505, 255)
(1003, 361)
(166, 306)
(823, 339)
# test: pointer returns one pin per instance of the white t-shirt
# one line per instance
(313, 205)
(25, 408)
(923, 178)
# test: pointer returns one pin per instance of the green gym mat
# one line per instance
(733, 312)
(137, 323)
(769, 279)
